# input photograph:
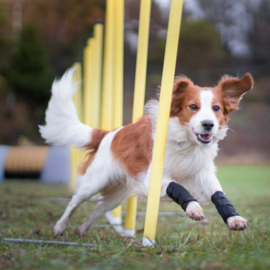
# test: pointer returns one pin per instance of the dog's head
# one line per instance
(204, 110)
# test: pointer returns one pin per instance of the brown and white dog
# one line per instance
(120, 160)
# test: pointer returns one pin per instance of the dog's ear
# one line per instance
(181, 84)
(233, 90)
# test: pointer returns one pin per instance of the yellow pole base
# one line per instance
(116, 218)
(131, 216)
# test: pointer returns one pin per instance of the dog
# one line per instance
(119, 161)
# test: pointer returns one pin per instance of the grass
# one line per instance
(181, 243)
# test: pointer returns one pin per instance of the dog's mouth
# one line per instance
(203, 138)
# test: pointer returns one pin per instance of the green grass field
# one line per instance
(181, 243)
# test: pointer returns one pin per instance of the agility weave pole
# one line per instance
(76, 155)
(162, 122)
(112, 92)
(97, 74)
(107, 87)
(77, 98)
(139, 97)
(87, 81)
(118, 81)
(92, 77)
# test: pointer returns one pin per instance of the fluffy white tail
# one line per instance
(63, 126)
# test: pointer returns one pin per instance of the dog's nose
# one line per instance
(208, 124)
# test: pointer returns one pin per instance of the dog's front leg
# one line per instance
(214, 192)
(171, 189)
(182, 197)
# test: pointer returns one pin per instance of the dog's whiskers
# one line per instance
(232, 130)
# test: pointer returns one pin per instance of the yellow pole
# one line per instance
(77, 98)
(107, 91)
(162, 122)
(94, 102)
(87, 82)
(97, 73)
(118, 78)
(75, 155)
(139, 93)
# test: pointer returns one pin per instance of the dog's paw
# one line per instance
(237, 223)
(59, 229)
(81, 231)
(194, 211)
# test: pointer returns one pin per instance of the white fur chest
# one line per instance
(184, 162)
(184, 159)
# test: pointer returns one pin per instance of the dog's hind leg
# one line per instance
(62, 223)
(97, 176)
(93, 181)
(109, 202)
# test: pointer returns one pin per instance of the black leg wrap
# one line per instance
(223, 205)
(179, 194)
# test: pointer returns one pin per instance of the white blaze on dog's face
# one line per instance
(204, 123)
(204, 110)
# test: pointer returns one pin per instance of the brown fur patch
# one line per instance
(97, 137)
(233, 89)
(185, 93)
(132, 146)
(228, 93)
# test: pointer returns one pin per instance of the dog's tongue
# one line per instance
(205, 136)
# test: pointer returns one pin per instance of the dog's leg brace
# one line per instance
(223, 205)
(179, 194)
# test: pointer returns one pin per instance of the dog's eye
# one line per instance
(193, 107)
(216, 108)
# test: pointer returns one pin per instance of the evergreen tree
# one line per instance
(4, 41)
(29, 76)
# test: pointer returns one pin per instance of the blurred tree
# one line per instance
(29, 76)
(64, 26)
(244, 26)
(4, 40)
(200, 46)
(258, 35)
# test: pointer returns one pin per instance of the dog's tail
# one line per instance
(63, 126)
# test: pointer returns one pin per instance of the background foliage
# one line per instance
(218, 37)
